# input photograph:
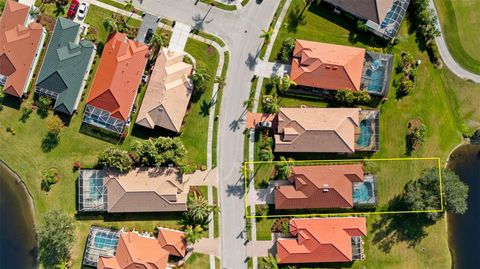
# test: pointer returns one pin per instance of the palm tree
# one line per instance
(249, 102)
(110, 25)
(307, 4)
(267, 35)
(271, 262)
(156, 41)
(200, 78)
(129, 7)
(283, 168)
(193, 235)
(221, 82)
(265, 154)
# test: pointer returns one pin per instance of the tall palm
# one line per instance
(130, 7)
(200, 78)
(267, 35)
(249, 102)
(156, 41)
(110, 25)
(193, 235)
(271, 262)
(283, 168)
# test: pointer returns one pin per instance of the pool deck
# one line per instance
(373, 116)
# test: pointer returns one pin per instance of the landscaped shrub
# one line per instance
(281, 226)
(416, 135)
(200, 79)
(361, 26)
(77, 165)
(270, 104)
(406, 83)
(345, 96)
(159, 151)
(49, 177)
(287, 49)
(283, 168)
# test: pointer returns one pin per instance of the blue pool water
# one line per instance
(376, 78)
(95, 185)
(363, 192)
(106, 240)
(366, 132)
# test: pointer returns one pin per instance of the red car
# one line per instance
(72, 10)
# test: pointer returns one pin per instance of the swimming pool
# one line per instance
(362, 192)
(366, 133)
(377, 74)
(106, 240)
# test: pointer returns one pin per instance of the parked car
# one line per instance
(72, 10)
(264, 124)
(82, 10)
(148, 36)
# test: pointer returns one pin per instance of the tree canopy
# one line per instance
(162, 150)
(424, 193)
(56, 236)
(115, 158)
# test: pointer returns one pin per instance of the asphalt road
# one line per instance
(241, 31)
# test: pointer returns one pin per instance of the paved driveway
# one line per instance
(241, 31)
(149, 21)
(267, 195)
(267, 69)
(179, 37)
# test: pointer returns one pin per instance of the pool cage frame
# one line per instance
(85, 201)
(389, 29)
(93, 253)
(357, 248)
(101, 118)
(387, 62)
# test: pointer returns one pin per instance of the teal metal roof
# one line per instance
(65, 65)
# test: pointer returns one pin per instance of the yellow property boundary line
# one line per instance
(246, 175)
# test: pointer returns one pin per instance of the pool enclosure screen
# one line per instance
(100, 242)
(92, 195)
(388, 28)
(357, 248)
(102, 118)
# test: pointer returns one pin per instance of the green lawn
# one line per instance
(195, 129)
(263, 49)
(460, 21)
(95, 17)
(447, 105)
(219, 5)
(197, 260)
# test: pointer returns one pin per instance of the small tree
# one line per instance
(162, 150)
(156, 41)
(49, 177)
(270, 104)
(287, 48)
(345, 96)
(115, 158)
(200, 79)
(193, 235)
(56, 236)
(2, 95)
(54, 124)
(283, 168)
(271, 262)
(45, 101)
(362, 97)
(361, 26)
(286, 83)
(110, 25)
(265, 154)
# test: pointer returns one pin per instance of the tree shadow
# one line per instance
(50, 142)
(59, 10)
(295, 18)
(26, 112)
(200, 21)
(205, 108)
(391, 229)
(251, 60)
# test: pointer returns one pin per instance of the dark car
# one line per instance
(148, 36)
(72, 10)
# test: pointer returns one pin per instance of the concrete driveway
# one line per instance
(179, 37)
(268, 69)
(241, 31)
(267, 195)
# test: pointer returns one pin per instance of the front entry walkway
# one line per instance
(267, 69)
(179, 37)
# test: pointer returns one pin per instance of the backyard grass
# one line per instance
(460, 22)
(195, 129)
(95, 17)
(447, 105)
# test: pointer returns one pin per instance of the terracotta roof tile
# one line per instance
(19, 44)
(327, 66)
(118, 76)
(319, 186)
(172, 241)
(320, 240)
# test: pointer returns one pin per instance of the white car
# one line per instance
(264, 124)
(82, 10)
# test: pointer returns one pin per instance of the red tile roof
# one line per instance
(118, 76)
(319, 186)
(327, 66)
(18, 48)
(320, 240)
(172, 241)
(136, 251)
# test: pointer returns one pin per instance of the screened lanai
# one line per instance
(92, 195)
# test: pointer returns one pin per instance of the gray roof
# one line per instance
(65, 65)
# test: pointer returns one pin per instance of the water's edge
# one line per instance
(28, 204)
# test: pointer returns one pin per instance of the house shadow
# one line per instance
(145, 133)
(11, 101)
(391, 229)
(101, 134)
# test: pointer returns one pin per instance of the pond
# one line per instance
(463, 229)
(18, 245)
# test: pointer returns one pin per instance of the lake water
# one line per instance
(463, 229)
(18, 245)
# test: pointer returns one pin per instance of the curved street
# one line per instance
(240, 30)
(447, 58)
